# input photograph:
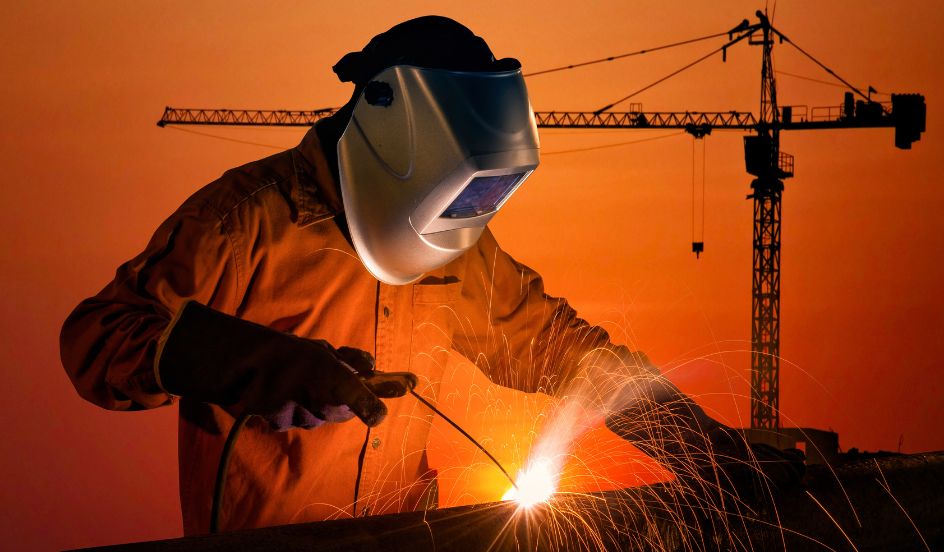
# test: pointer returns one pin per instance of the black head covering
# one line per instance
(433, 42)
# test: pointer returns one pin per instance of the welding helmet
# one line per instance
(433, 149)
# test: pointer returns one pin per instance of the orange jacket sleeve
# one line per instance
(520, 336)
(108, 343)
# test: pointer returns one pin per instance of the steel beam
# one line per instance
(892, 503)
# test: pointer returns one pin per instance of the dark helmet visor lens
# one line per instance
(482, 195)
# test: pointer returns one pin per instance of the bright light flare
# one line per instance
(535, 485)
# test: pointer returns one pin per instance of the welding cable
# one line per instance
(240, 422)
(221, 471)
(439, 413)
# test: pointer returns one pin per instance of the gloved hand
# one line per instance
(292, 382)
(703, 453)
(385, 385)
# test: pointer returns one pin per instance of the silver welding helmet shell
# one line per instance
(427, 159)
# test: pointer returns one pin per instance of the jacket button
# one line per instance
(386, 311)
(375, 443)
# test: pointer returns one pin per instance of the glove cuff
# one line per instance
(162, 341)
(208, 355)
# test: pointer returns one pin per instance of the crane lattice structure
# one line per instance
(763, 159)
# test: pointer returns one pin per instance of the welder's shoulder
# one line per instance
(257, 186)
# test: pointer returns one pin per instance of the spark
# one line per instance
(536, 484)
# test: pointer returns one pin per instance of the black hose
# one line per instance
(220, 484)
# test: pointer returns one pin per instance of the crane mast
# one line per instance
(905, 113)
(763, 159)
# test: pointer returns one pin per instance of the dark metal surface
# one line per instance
(891, 503)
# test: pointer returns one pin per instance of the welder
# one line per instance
(323, 283)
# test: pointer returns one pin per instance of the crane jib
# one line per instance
(905, 112)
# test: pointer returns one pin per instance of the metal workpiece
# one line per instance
(880, 503)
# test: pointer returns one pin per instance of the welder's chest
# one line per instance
(414, 332)
(415, 325)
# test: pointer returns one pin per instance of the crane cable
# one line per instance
(820, 81)
(613, 145)
(543, 153)
(730, 43)
(227, 138)
(677, 71)
(626, 55)
(704, 169)
(704, 179)
(818, 62)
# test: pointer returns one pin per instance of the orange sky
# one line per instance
(89, 177)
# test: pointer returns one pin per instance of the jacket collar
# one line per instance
(315, 193)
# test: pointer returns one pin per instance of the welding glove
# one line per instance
(248, 368)
(700, 451)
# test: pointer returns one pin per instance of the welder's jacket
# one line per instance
(262, 244)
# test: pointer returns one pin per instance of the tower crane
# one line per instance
(762, 155)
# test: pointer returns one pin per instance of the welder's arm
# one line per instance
(648, 410)
(523, 338)
(292, 382)
(111, 343)
(108, 343)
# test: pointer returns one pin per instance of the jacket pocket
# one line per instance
(438, 291)
(434, 322)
